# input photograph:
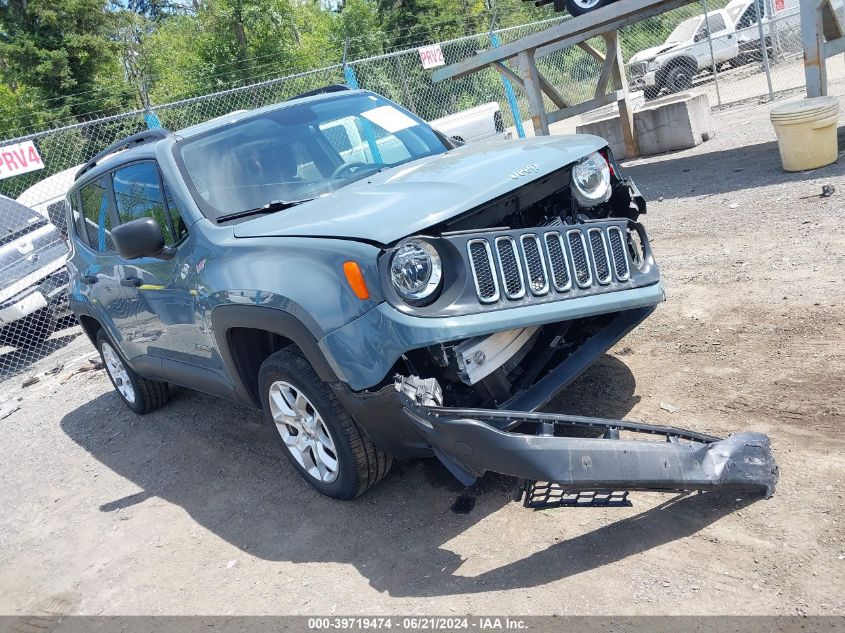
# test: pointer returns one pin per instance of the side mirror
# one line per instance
(57, 214)
(140, 238)
(700, 37)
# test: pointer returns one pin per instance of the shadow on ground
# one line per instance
(747, 167)
(229, 478)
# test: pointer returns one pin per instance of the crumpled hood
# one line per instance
(409, 198)
(648, 53)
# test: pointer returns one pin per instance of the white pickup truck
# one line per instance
(685, 53)
(736, 39)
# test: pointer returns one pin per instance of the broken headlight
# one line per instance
(416, 271)
(591, 180)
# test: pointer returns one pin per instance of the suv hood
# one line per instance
(654, 51)
(407, 199)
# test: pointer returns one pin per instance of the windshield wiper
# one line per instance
(270, 207)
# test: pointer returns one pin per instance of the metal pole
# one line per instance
(712, 57)
(511, 97)
(758, 6)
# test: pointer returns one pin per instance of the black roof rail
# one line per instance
(321, 91)
(140, 138)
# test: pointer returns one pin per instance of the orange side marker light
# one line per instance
(356, 280)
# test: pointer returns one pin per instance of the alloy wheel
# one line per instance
(117, 372)
(303, 431)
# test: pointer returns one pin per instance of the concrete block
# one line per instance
(610, 129)
(664, 125)
(673, 123)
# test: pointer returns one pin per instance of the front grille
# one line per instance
(481, 262)
(637, 69)
(578, 249)
(600, 255)
(557, 259)
(535, 265)
(617, 249)
(509, 268)
(541, 261)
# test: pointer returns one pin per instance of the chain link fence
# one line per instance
(716, 47)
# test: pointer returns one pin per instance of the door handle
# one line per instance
(132, 282)
(88, 279)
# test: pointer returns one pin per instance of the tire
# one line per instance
(581, 7)
(322, 442)
(142, 394)
(679, 76)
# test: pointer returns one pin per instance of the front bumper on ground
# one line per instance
(50, 293)
(531, 446)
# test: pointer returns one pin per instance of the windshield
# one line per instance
(684, 31)
(299, 152)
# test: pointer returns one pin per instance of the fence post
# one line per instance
(514, 106)
(151, 119)
(712, 57)
(763, 51)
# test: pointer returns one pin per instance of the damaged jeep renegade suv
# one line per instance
(379, 290)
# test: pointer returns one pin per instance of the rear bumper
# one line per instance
(472, 442)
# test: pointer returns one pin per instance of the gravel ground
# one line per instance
(190, 509)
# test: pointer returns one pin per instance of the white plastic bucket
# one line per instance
(806, 132)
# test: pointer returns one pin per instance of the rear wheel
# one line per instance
(140, 394)
(580, 7)
(316, 434)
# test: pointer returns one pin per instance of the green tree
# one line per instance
(64, 52)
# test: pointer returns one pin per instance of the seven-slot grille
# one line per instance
(535, 263)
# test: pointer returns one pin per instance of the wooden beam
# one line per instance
(606, 70)
(509, 74)
(581, 108)
(620, 83)
(550, 90)
(592, 52)
(612, 17)
(536, 107)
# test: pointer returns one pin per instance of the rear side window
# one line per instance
(96, 220)
(137, 194)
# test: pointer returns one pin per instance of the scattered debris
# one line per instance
(668, 406)
(31, 380)
(231, 564)
(55, 370)
(733, 205)
(8, 408)
(827, 191)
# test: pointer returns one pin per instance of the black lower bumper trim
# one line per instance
(683, 461)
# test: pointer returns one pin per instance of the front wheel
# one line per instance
(580, 7)
(679, 77)
(316, 434)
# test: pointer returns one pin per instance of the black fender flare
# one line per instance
(226, 317)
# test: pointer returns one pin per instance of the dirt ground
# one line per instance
(191, 510)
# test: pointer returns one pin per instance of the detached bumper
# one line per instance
(471, 442)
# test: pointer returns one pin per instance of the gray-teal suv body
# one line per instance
(338, 263)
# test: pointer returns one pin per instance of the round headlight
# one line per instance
(415, 270)
(591, 180)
